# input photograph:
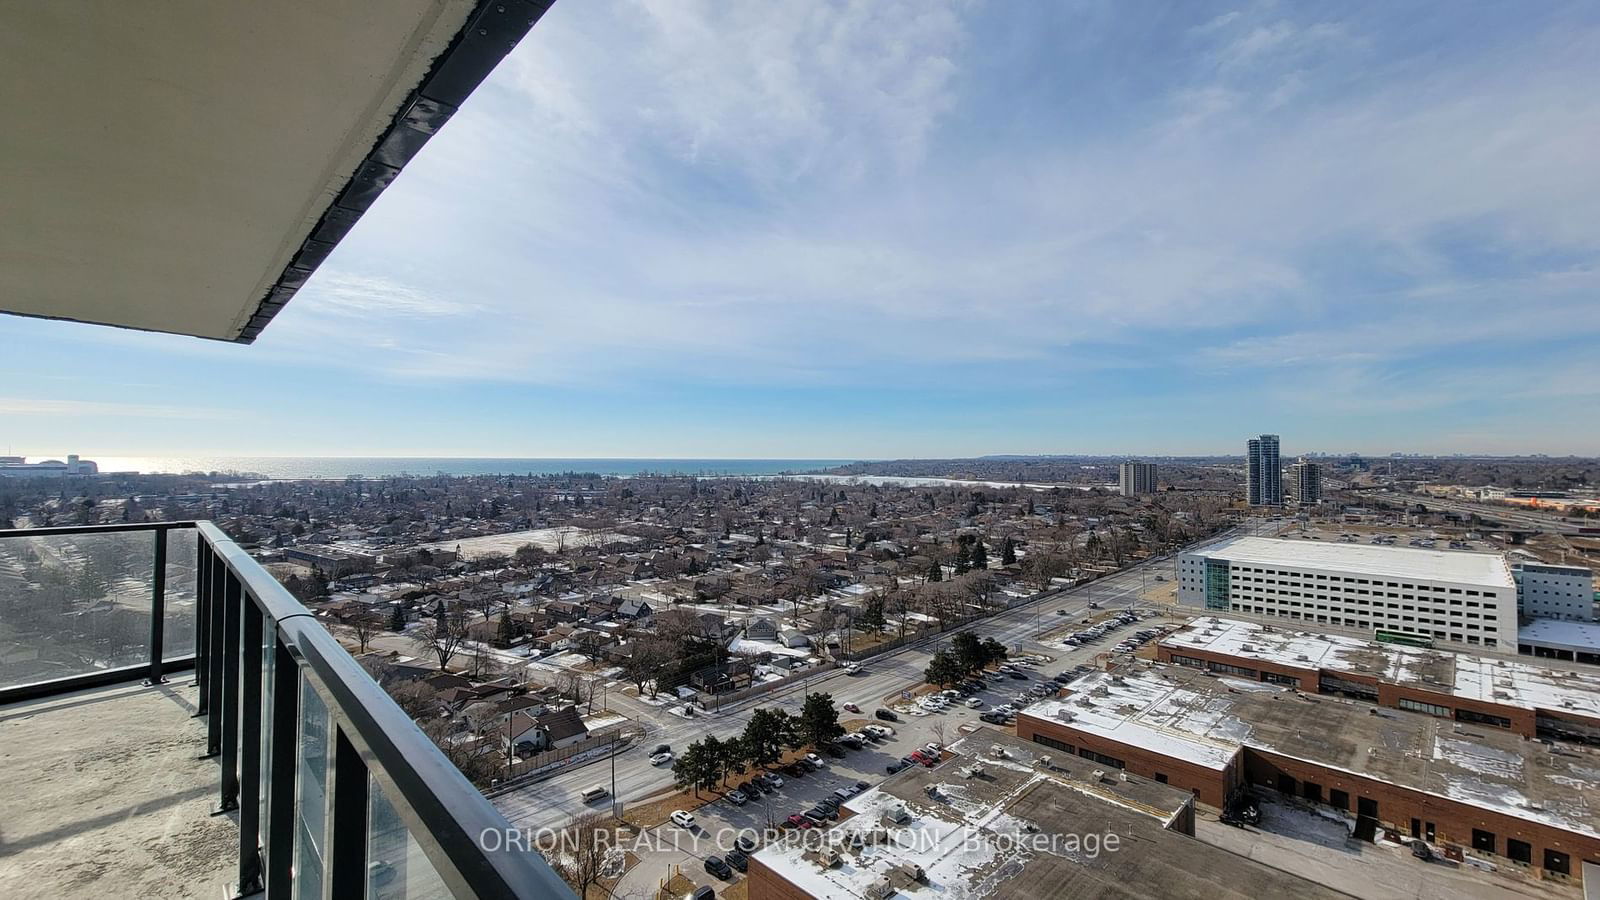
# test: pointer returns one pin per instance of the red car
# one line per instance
(851, 707)
(923, 758)
(799, 821)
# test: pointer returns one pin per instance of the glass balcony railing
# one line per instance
(337, 793)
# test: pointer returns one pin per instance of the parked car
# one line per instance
(737, 797)
(932, 747)
(795, 770)
(737, 860)
(851, 707)
(861, 786)
(1019, 676)
(898, 765)
(753, 789)
(703, 892)
(887, 715)
(834, 750)
(660, 749)
(660, 759)
(917, 756)
(717, 867)
(818, 818)
(682, 819)
(973, 703)
(814, 759)
(772, 780)
(798, 821)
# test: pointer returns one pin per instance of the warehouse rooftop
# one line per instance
(1455, 566)
(1491, 679)
(1555, 785)
(1021, 830)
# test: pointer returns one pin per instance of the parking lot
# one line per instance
(716, 825)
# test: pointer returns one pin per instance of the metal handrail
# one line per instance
(241, 610)
(63, 530)
(444, 812)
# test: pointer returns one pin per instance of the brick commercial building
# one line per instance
(1494, 795)
(1005, 818)
(1411, 594)
(1529, 700)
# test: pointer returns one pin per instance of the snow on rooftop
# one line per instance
(1491, 679)
(1455, 566)
(1148, 711)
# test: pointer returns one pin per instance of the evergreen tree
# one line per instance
(1008, 552)
(819, 720)
(935, 573)
(980, 555)
(963, 559)
(943, 669)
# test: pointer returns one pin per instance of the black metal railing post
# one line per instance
(215, 635)
(250, 757)
(232, 608)
(158, 607)
(279, 847)
(347, 832)
(203, 560)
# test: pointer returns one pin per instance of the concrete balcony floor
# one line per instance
(102, 794)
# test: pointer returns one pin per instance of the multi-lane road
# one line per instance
(555, 801)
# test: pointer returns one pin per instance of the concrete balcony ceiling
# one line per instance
(185, 166)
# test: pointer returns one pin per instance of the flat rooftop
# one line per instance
(1568, 635)
(1455, 566)
(1490, 679)
(105, 797)
(1478, 765)
(990, 835)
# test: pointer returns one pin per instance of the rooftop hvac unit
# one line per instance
(1065, 715)
(1098, 774)
(1302, 657)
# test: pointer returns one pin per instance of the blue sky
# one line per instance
(882, 229)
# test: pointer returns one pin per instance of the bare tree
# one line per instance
(444, 635)
(582, 851)
(363, 625)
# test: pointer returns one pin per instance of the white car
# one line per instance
(932, 748)
(814, 759)
(852, 669)
(973, 703)
(682, 819)
(737, 798)
(660, 759)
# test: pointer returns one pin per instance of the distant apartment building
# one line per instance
(1137, 478)
(1397, 593)
(1305, 479)
(18, 467)
(1554, 592)
(1263, 474)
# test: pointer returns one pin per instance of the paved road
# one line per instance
(1529, 519)
(553, 803)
